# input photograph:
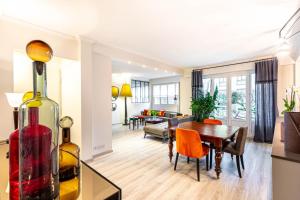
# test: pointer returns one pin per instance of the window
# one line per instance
(140, 91)
(166, 93)
(206, 85)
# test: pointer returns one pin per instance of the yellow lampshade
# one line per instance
(114, 91)
(126, 90)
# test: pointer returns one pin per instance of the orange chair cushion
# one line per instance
(212, 121)
(188, 143)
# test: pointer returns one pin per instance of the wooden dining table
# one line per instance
(214, 134)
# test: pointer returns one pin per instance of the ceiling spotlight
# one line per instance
(129, 62)
(144, 66)
(155, 68)
(166, 71)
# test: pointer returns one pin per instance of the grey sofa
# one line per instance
(161, 130)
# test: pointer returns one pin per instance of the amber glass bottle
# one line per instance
(69, 166)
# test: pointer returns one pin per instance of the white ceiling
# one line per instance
(177, 32)
(137, 71)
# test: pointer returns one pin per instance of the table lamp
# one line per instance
(126, 92)
(114, 95)
(15, 100)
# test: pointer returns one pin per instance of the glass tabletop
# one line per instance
(92, 184)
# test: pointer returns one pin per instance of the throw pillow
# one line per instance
(145, 112)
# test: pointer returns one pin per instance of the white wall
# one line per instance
(70, 96)
(95, 101)
(6, 115)
(102, 130)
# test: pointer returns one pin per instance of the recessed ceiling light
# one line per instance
(155, 68)
(144, 66)
(129, 62)
(166, 71)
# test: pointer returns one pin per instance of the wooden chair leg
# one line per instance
(198, 171)
(242, 161)
(145, 135)
(231, 157)
(176, 161)
(207, 160)
(188, 160)
(238, 166)
(211, 158)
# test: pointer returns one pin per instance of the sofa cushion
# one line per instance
(157, 129)
(145, 112)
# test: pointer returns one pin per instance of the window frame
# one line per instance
(177, 93)
(142, 86)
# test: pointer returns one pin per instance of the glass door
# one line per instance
(221, 112)
(239, 101)
(236, 97)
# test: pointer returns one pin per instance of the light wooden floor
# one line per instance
(142, 169)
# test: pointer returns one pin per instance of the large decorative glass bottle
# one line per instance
(38, 125)
(69, 163)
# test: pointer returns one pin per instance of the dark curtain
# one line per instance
(265, 99)
(197, 82)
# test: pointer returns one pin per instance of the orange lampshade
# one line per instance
(126, 90)
(114, 91)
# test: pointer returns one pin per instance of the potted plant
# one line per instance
(203, 105)
(289, 105)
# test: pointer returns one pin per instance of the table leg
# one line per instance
(171, 138)
(218, 158)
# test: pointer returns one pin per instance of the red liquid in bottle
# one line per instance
(36, 159)
(14, 165)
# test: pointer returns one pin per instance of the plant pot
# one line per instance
(282, 132)
(292, 132)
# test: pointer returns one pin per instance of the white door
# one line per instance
(236, 97)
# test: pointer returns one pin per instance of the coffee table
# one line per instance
(153, 120)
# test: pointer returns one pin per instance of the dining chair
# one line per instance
(237, 148)
(188, 143)
(173, 122)
(211, 146)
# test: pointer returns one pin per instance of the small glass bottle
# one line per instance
(38, 139)
(69, 163)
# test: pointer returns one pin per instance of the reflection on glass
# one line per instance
(156, 94)
(221, 84)
(206, 85)
(238, 98)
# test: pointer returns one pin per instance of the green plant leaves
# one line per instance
(204, 105)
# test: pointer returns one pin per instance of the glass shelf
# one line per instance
(93, 185)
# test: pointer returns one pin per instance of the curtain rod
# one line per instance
(238, 63)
